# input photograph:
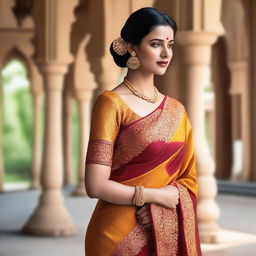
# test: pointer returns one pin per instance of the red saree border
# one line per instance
(175, 231)
(160, 106)
(189, 239)
(99, 152)
(130, 170)
(165, 228)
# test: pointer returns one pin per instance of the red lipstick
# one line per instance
(162, 63)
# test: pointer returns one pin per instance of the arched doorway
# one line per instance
(17, 125)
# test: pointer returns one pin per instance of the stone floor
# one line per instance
(237, 215)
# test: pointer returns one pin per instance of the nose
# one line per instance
(166, 52)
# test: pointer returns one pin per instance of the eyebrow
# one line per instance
(159, 40)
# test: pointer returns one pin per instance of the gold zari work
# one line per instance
(158, 126)
(100, 152)
(133, 243)
(166, 228)
(189, 220)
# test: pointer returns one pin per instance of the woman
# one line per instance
(140, 161)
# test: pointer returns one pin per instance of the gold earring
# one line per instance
(133, 62)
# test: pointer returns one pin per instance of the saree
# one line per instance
(151, 151)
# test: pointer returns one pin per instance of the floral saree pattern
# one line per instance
(151, 151)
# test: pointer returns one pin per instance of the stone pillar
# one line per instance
(51, 217)
(1, 137)
(84, 86)
(36, 89)
(37, 145)
(67, 134)
(241, 111)
(53, 19)
(84, 100)
(196, 56)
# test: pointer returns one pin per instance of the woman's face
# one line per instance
(155, 50)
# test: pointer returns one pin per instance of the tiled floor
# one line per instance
(237, 214)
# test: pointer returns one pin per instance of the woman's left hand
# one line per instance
(143, 217)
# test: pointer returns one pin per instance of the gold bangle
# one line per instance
(138, 198)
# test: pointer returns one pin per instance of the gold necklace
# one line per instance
(153, 99)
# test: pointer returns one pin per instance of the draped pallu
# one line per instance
(151, 151)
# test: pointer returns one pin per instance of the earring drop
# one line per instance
(133, 62)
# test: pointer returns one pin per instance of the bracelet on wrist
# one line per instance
(138, 198)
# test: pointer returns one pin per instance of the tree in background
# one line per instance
(17, 125)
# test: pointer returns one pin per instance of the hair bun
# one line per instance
(120, 60)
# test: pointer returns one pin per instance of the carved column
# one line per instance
(37, 145)
(196, 56)
(51, 217)
(36, 92)
(84, 86)
(67, 133)
(84, 100)
(53, 57)
(241, 118)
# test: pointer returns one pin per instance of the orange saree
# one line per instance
(151, 151)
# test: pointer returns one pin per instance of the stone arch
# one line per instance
(35, 88)
(32, 71)
(13, 55)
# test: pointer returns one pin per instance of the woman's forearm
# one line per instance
(98, 185)
(116, 193)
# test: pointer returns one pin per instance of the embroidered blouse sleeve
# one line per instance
(105, 124)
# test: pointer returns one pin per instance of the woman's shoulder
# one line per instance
(107, 96)
(176, 104)
(107, 101)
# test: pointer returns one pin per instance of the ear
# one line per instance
(130, 47)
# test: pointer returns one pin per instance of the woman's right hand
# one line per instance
(168, 196)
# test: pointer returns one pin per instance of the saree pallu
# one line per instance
(151, 151)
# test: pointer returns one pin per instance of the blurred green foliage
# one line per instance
(18, 124)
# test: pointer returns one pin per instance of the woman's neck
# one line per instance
(144, 83)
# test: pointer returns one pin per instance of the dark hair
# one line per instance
(139, 24)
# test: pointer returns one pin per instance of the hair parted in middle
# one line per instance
(138, 25)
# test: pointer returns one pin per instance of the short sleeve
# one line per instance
(105, 124)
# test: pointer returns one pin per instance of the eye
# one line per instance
(155, 44)
(171, 45)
